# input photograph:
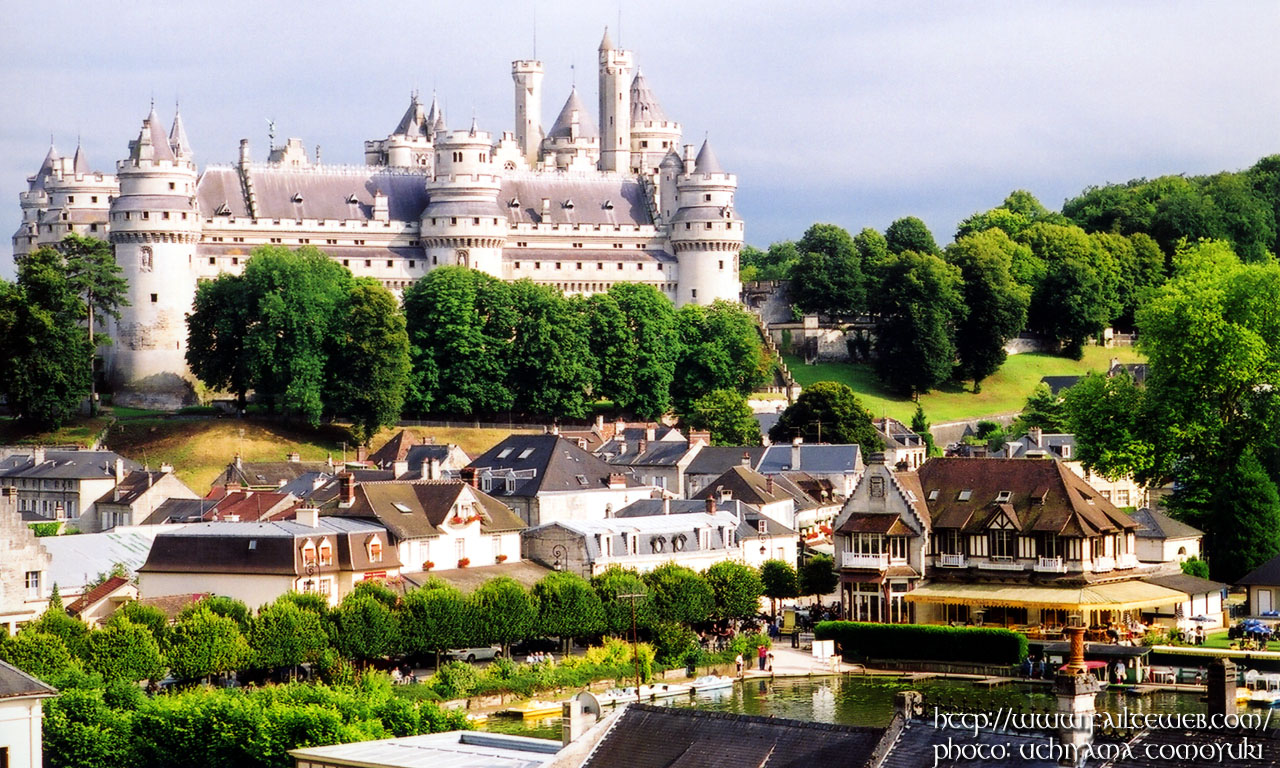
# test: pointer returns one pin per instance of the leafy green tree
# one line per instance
(653, 325)
(435, 619)
(611, 586)
(204, 643)
(920, 426)
(81, 731)
(736, 588)
(368, 359)
(910, 234)
(873, 253)
(285, 635)
(1043, 410)
(1194, 566)
(919, 305)
(997, 305)
(779, 581)
(1245, 523)
(550, 372)
(827, 412)
(1078, 294)
(460, 325)
(308, 601)
(125, 651)
(680, 594)
(567, 607)
(378, 590)
(827, 277)
(217, 327)
(721, 348)
(505, 612)
(45, 346)
(73, 632)
(1139, 265)
(38, 653)
(818, 576)
(149, 616)
(365, 628)
(1105, 415)
(773, 264)
(96, 278)
(220, 605)
(613, 349)
(1018, 211)
(725, 414)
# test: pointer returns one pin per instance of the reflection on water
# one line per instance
(869, 701)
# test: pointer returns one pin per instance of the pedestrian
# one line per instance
(769, 665)
(738, 662)
(1119, 671)
(761, 653)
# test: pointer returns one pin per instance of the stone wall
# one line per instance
(20, 553)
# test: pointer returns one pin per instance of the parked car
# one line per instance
(469, 655)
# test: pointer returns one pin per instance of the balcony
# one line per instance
(1127, 561)
(952, 561)
(1049, 565)
(1103, 564)
(853, 560)
(1001, 564)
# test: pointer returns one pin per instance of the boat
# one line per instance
(647, 693)
(534, 708)
(1263, 698)
(711, 683)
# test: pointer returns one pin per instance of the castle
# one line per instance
(581, 206)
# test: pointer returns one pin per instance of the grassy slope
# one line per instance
(1004, 392)
(79, 432)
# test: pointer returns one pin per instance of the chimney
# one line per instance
(617, 480)
(346, 489)
(433, 468)
(746, 458)
(599, 422)
(546, 210)
(768, 484)
(166, 468)
(711, 505)
(381, 212)
(651, 432)
(622, 448)
(1037, 436)
(308, 516)
(119, 470)
(619, 427)
(362, 453)
(244, 153)
(468, 475)
(666, 505)
(317, 482)
(795, 453)
(644, 444)
(555, 429)
(725, 494)
(295, 457)
(1222, 687)
(37, 455)
(237, 462)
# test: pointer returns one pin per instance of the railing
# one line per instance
(1127, 561)
(951, 561)
(1050, 565)
(1002, 563)
(856, 560)
(1104, 563)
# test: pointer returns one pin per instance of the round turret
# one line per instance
(706, 232)
(464, 224)
(155, 226)
(652, 134)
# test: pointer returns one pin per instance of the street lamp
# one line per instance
(559, 553)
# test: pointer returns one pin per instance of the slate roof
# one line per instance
(1267, 574)
(707, 162)
(745, 484)
(716, 459)
(1058, 445)
(178, 510)
(421, 508)
(46, 170)
(134, 486)
(327, 192)
(269, 473)
(80, 164)
(545, 464)
(100, 592)
(824, 459)
(562, 127)
(603, 200)
(644, 104)
(1154, 524)
(750, 516)
(414, 123)
(896, 434)
(647, 736)
(68, 465)
(1186, 583)
(15, 683)
(1044, 497)
(1059, 383)
(656, 454)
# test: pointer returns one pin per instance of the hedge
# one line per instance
(917, 642)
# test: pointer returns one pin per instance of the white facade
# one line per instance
(20, 731)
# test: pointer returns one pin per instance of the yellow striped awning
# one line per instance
(1116, 596)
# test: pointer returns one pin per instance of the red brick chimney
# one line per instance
(711, 505)
(468, 475)
(346, 489)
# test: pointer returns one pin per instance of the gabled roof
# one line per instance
(707, 162)
(423, 507)
(544, 464)
(1059, 383)
(1046, 497)
(247, 506)
(1267, 574)
(749, 515)
(656, 454)
(395, 449)
(716, 459)
(1154, 524)
(258, 474)
(14, 683)
(644, 104)
(561, 129)
(134, 486)
(98, 593)
(896, 434)
(745, 484)
(68, 465)
(819, 458)
(1059, 445)
(1187, 584)
(263, 548)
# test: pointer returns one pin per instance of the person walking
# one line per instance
(761, 653)
(738, 661)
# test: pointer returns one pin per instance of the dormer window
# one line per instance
(351, 199)
(222, 210)
(326, 553)
(933, 495)
(309, 554)
(568, 205)
(608, 205)
(513, 202)
(1066, 451)
(965, 495)
(1003, 496)
(375, 551)
(297, 197)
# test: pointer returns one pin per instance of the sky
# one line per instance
(853, 113)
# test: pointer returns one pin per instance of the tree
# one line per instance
(149, 616)
(437, 618)
(365, 628)
(720, 348)
(818, 576)
(42, 358)
(81, 731)
(611, 586)
(828, 412)
(96, 278)
(1194, 566)
(651, 320)
(285, 635)
(1043, 410)
(505, 614)
(568, 607)
(550, 372)
(613, 349)
(368, 366)
(919, 305)
(204, 644)
(773, 264)
(1077, 295)
(220, 605)
(910, 234)
(125, 651)
(680, 594)
(38, 653)
(920, 426)
(1245, 523)
(216, 329)
(873, 252)
(779, 581)
(997, 305)
(73, 632)
(736, 589)
(725, 414)
(827, 277)
(1105, 415)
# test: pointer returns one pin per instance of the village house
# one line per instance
(410, 458)
(841, 465)
(63, 484)
(903, 448)
(97, 605)
(24, 567)
(1262, 586)
(1122, 491)
(713, 461)
(434, 524)
(757, 490)
(1161, 539)
(21, 713)
(273, 475)
(759, 537)
(136, 498)
(238, 505)
(547, 478)
(656, 455)
(258, 562)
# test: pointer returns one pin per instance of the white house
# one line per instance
(21, 713)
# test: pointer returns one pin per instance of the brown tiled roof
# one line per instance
(248, 506)
(1043, 497)
(100, 592)
(470, 578)
(746, 484)
(395, 449)
(428, 504)
(172, 605)
(869, 522)
(910, 484)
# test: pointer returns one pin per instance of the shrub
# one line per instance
(671, 642)
(979, 645)
(455, 680)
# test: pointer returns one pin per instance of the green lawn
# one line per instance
(81, 431)
(1004, 392)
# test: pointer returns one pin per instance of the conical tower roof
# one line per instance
(46, 168)
(415, 122)
(561, 128)
(434, 113)
(159, 142)
(606, 43)
(672, 160)
(178, 140)
(644, 104)
(707, 161)
(81, 163)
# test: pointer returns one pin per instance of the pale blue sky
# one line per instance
(854, 113)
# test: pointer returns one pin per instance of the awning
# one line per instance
(1116, 596)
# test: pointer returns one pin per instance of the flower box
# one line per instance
(501, 558)
(464, 562)
(428, 565)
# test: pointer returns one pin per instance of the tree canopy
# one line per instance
(919, 304)
(827, 411)
(727, 416)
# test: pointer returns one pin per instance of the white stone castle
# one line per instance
(578, 207)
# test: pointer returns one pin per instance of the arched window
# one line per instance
(146, 261)
(375, 550)
(309, 554)
(326, 553)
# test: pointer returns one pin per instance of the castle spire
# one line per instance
(606, 43)
(644, 104)
(707, 161)
(415, 122)
(80, 164)
(178, 140)
(573, 112)
(154, 134)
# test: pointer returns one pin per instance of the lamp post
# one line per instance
(635, 644)
(559, 552)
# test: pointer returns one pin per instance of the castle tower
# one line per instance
(615, 109)
(409, 143)
(652, 134)
(155, 225)
(63, 197)
(706, 233)
(527, 75)
(463, 224)
(572, 144)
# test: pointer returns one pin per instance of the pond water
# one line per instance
(869, 701)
